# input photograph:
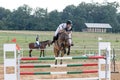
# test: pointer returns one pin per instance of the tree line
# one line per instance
(27, 18)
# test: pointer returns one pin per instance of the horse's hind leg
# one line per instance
(62, 54)
(56, 52)
(30, 53)
(55, 62)
(43, 53)
(68, 53)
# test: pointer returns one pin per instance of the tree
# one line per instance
(20, 17)
(54, 20)
(4, 14)
(26, 18)
(40, 17)
(68, 12)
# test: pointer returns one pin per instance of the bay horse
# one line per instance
(61, 44)
(42, 46)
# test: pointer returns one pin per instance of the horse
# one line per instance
(42, 46)
(61, 45)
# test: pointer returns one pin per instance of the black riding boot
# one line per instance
(55, 38)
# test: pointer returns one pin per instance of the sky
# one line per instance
(49, 4)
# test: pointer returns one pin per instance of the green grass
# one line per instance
(84, 42)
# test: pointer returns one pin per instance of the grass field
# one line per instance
(83, 42)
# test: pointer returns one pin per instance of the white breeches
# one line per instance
(37, 42)
(56, 32)
(70, 38)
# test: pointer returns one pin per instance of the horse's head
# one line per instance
(63, 38)
(49, 42)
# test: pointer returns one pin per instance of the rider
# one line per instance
(64, 26)
(37, 41)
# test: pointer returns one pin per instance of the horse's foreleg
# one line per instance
(56, 56)
(40, 53)
(62, 54)
(55, 62)
(56, 52)
(68, 53)
(43, 54)
(30, 53)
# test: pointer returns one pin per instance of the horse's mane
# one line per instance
(63, 35)
(44, 41)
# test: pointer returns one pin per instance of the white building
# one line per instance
(97, 27)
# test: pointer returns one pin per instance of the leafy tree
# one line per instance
(4, 14)
(26, 18)
(54, 19)
(20, 17)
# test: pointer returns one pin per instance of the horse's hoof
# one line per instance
(68, 53)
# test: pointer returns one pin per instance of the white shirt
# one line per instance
(61, 27)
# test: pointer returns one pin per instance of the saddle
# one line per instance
(36, 45)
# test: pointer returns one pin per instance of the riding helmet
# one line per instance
(69, 22)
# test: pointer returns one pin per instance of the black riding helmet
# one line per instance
(69, 22)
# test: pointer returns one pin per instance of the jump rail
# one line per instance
(101, 60)
(54, 58)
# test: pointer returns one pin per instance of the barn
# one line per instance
(97, 27)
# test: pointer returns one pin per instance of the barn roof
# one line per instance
(98, 25)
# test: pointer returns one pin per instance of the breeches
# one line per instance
(37, 42)
(70, 39)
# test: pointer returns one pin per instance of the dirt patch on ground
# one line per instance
(114, 76)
